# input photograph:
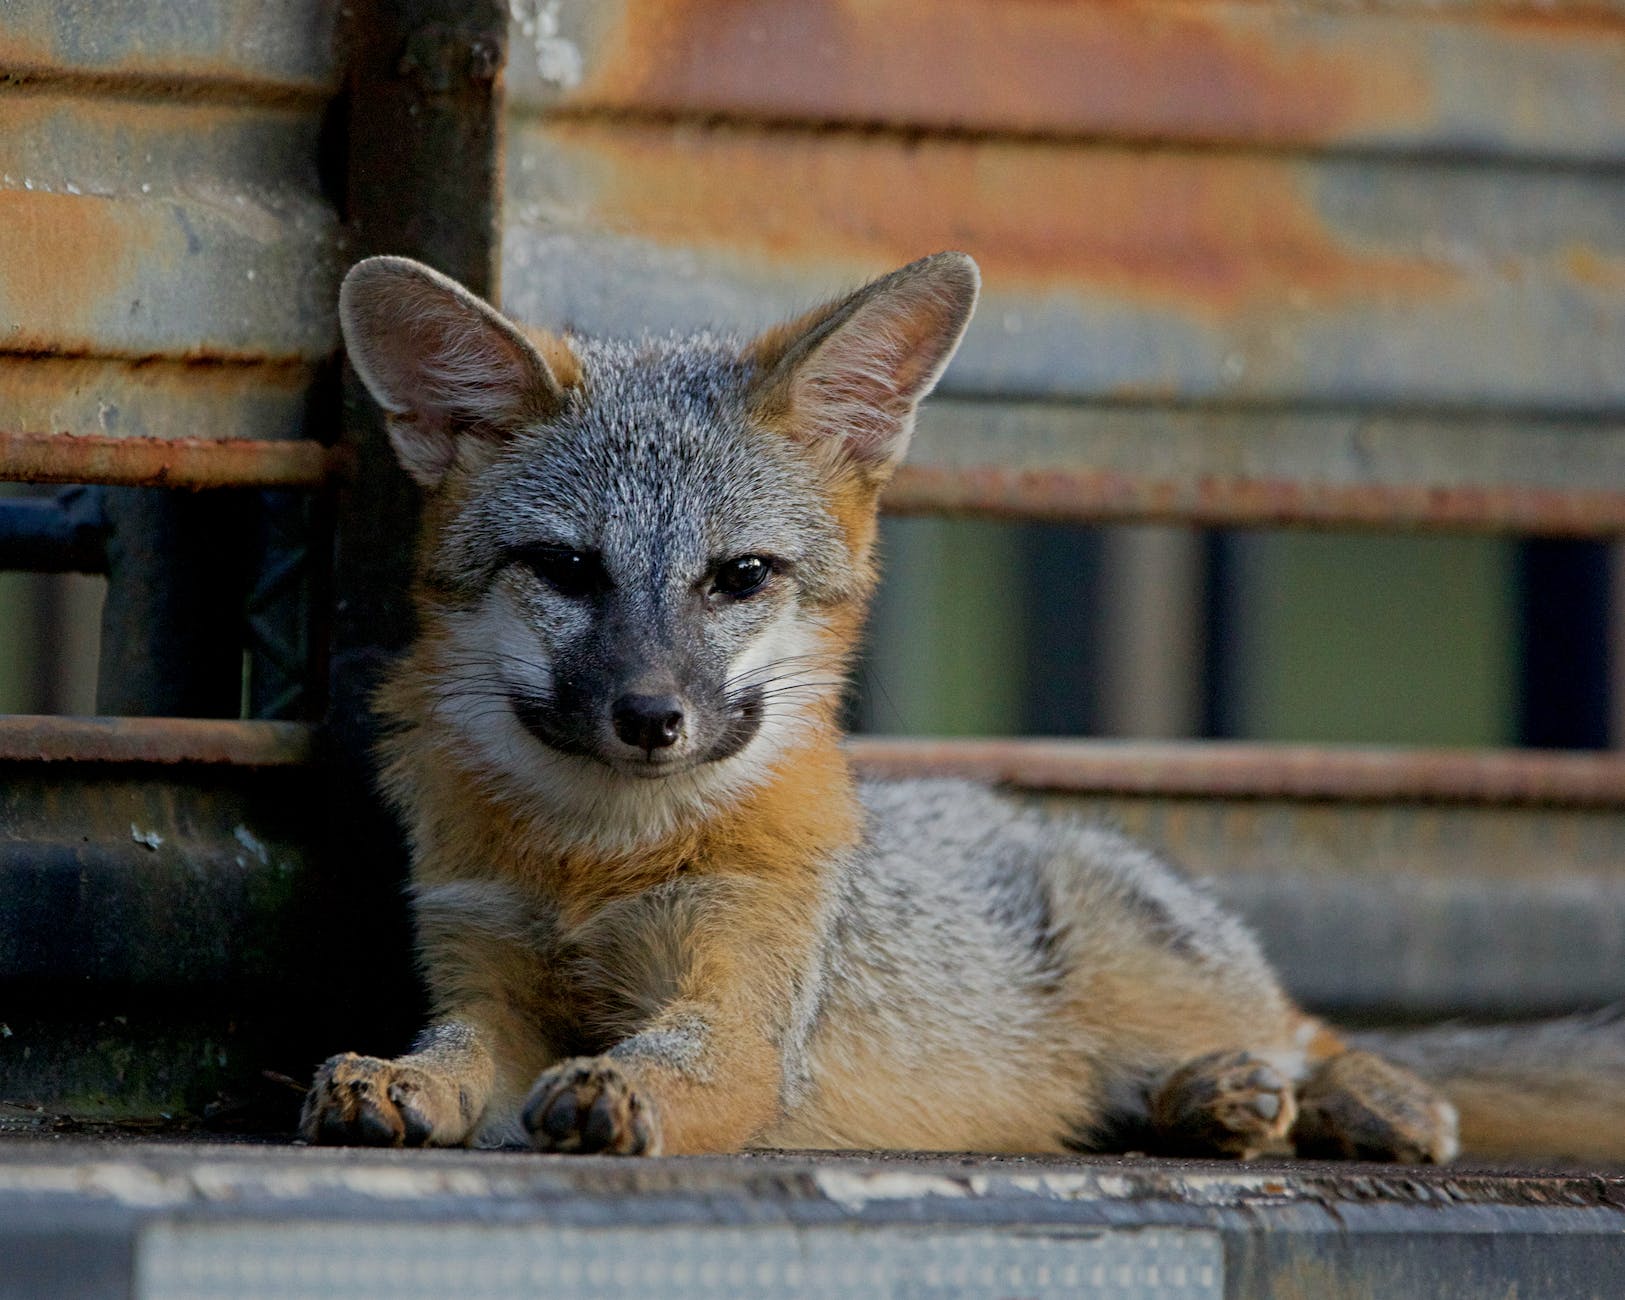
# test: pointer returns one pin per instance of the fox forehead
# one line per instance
(657, 463)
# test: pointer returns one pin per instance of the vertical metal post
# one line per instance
(423, 180)
(172, 625)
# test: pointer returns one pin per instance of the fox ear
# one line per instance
(848, 376)
(453, 375)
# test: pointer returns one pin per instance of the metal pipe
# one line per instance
(167, 462)
(30, 739)
(1231, 770)
(66, 533)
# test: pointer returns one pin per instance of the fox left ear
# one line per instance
(455, 377)
(849, 376)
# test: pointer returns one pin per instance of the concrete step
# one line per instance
(149, 1218)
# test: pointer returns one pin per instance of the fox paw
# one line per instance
(368, 1102)
(1359, 1106)
(588, 1105)
(1226, 1103)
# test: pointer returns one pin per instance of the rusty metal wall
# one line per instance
(1247, 263)
(171, 237)
(1244, 262)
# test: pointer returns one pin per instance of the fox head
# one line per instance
(644, 564)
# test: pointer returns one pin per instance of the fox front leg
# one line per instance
(693, 1081)
(433, 1097)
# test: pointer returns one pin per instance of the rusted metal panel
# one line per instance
(167, 462)
(1110, 273)
(165, 741)
(1225, 769)
(1149, 70)
(156, 398)
(242, 47)
(139, 228)
(1145, 464)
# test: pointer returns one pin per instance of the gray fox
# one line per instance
(655, 910)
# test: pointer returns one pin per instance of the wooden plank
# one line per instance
(1110, 273)
(1547, 82)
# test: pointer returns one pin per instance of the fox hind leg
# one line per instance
(1224, 1104)
(1360, 1106)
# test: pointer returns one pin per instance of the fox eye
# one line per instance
(570, 573)
(743, 576)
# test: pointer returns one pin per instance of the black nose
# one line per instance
(649, 722)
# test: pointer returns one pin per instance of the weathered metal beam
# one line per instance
(240, 47)
(165, 227)
(166, 741)
(1400, 77)
(168, 462)
(1114, 463)
(424, 180)
(1111, 274)
(158, 398)
(1224, 769)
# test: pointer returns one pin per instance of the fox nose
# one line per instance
(648, 722)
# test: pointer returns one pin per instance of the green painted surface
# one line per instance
(1381, 640)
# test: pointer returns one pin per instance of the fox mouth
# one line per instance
(564, 734)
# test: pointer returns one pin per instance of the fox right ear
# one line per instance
(455, 377)
(846, 378)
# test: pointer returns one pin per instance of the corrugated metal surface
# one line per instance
(1533, 80)
(1264, 263)
(1126, 462)
(166, 214)
(1110, 271)
(170, 246)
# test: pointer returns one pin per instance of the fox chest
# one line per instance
(584, 984)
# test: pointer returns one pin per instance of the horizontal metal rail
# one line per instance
(167, 462)
(1195, 769)
(993, 491)
(1230, 770)
(28, 738)
(1105, 497)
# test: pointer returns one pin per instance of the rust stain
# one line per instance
(1207, 233)
(168, 462)
(63, 258)
(1218, 769)
(1101, 496)
(26, 739)
(1200, 72)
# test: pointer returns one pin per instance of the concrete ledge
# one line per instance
(156, 1218)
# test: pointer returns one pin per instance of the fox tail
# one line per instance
(1549, 1089)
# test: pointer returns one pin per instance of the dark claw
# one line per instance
(374, 1129)
(599, 1129)
(332, 1131)
(559, 1120)
(417, 1128)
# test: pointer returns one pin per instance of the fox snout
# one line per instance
(648, 722)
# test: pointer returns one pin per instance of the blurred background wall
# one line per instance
(1402, 215)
